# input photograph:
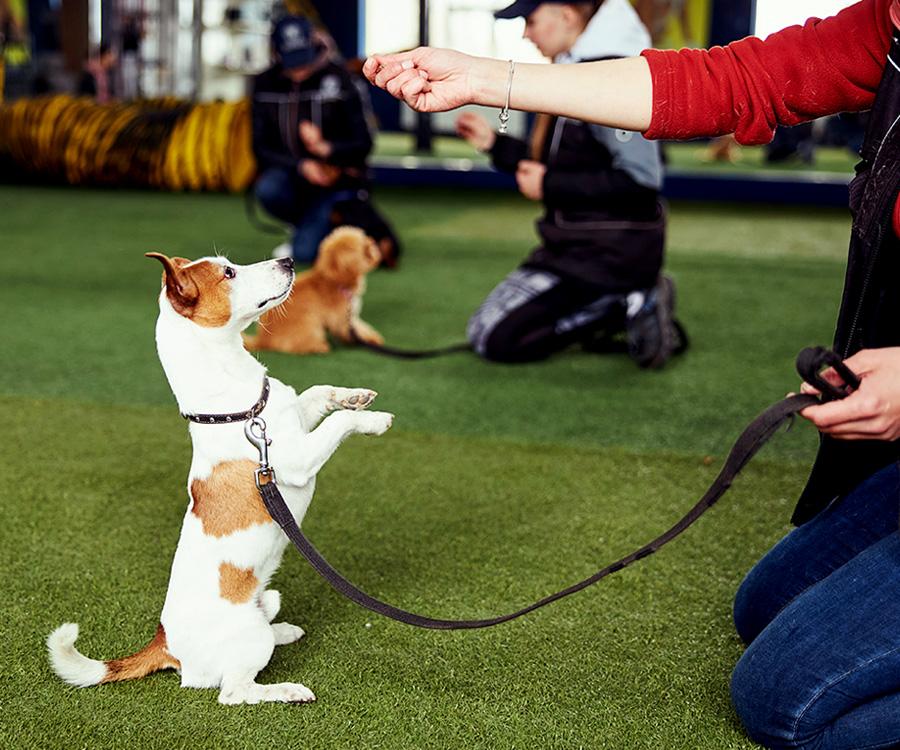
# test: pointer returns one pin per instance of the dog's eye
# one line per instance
(230, 273)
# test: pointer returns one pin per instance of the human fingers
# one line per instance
(866, 359)
(464, 130)
(411, 92)
(528, 167)
(473, 121)
(856, 407)
(310, 128)
(878, 428)
(376, 63)
(395, 85)
(390, 69)
(467, 121)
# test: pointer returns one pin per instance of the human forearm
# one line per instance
(617, 93)
(613, 92)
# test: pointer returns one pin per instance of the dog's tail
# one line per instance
(77, 669)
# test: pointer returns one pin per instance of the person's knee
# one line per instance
(746, 610)
(499, 349)
(758, 706)
(491, 338)
(781, 701)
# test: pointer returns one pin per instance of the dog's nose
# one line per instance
(286, 263)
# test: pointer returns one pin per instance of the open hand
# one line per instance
(427, 79)
(530, 179)
(476, 130)
(318, 173)
(870, 413)
(315, 143)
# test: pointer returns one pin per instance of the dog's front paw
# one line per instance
(354, 399)
(374, 422)
(286, 633)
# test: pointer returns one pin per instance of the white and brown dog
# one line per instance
(216, 624)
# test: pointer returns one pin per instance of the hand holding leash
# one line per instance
(870, 381)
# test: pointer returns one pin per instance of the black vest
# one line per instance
(870, 309)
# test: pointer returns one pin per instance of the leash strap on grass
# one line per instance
(751, 440)
(389, 351)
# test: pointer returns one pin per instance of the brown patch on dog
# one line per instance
(213, 308)
(197, 291)
(228, 500)
(152, 658)
(236, 584)
(322, 299)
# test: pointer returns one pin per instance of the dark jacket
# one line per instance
(604, 223)
(330, 99)
(870, 309)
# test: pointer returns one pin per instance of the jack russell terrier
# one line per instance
(216, 624)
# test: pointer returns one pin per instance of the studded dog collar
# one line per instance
(240, 416)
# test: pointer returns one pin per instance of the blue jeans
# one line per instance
(821, 612)
(287, 197)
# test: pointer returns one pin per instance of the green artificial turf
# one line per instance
(496, 485)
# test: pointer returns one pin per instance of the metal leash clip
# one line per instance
(258, 438)
(810, 363)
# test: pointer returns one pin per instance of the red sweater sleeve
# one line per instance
(750, 86)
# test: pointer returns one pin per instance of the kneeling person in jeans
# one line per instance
(597, 271)
(310, 136)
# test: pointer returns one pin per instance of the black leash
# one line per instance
(389, 351)
(810, 364)
(250, 208)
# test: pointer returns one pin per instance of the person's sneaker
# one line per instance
(652, 332)
(284, 250)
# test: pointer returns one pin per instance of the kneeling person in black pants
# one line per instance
(597, 271)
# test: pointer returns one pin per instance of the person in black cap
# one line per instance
(311, 136)
(597, 271)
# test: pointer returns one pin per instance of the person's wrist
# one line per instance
(487, 81)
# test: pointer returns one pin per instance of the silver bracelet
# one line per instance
(504, 113)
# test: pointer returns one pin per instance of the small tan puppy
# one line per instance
(325, 299)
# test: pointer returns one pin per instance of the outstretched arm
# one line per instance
(432, 80)
(746, 88)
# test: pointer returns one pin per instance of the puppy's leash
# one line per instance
(390, 351)
(810, 363)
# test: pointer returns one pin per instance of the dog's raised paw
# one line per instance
(354, 399)
(375, 422)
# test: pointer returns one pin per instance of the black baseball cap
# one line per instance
(523, 8)
(292, 39)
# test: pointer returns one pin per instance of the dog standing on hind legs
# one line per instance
(216, 626)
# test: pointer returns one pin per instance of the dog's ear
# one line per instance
(181, 289)
(333, 263)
